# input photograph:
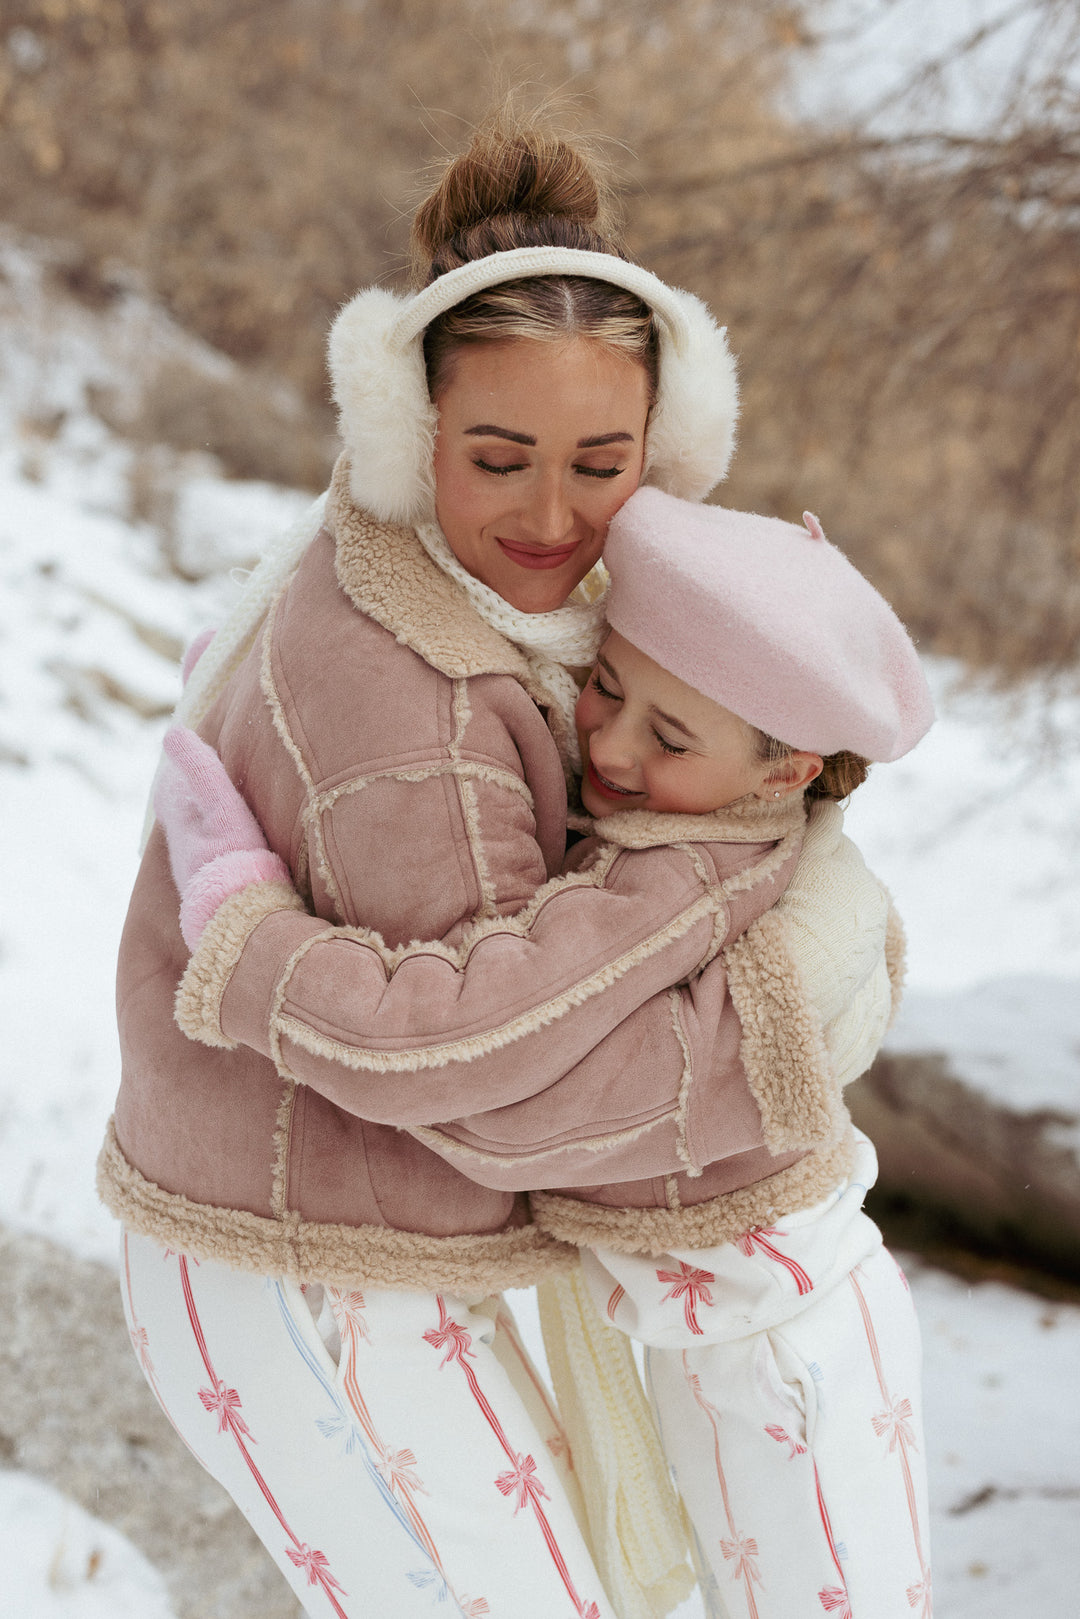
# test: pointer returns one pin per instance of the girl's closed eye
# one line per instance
(669, 747)
(600, 472)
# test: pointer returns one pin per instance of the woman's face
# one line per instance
(538, 446)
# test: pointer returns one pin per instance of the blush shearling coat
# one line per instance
(289, 1119)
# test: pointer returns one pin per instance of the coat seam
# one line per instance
(449, 1146)
(281, 1147)
(466, 1047)
(682, 1107)
(476, 769)
(311, 819)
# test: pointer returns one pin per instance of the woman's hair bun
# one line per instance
(515, 170)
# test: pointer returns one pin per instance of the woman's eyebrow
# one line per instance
(487, 431)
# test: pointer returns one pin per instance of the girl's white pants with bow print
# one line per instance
(784, 1374)
(394, 1451)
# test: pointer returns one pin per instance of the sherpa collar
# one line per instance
(747, 820)
(387, 574)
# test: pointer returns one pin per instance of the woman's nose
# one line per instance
(549, 516)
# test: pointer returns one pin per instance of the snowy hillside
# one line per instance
(976, 834)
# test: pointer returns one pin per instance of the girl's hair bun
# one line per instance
(519, 184)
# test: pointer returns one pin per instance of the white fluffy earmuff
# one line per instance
(388, 423)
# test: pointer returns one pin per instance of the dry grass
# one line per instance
(907, 321)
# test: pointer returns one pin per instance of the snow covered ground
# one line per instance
(69, 1565)
(979, 825)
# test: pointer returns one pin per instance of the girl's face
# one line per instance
(538, 446)
(649, 741)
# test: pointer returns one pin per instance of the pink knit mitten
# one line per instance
(216, 846)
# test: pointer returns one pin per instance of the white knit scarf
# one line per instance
(551, 643)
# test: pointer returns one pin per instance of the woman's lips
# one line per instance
(607, 789)
(536, 556)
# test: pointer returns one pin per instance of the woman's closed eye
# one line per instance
(521, 466)
(602, 691)
(500, 472)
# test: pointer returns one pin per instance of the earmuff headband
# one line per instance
(388, 422)
(520, 262)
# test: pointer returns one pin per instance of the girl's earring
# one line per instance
(777, 793)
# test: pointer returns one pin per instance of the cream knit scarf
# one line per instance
(636, 1524)
(552, 643)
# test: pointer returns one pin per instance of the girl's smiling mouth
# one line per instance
(607, 789)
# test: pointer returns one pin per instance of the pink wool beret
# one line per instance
(769, 620)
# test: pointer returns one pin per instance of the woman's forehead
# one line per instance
(527, 387)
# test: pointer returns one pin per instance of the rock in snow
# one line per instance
(974, 1106)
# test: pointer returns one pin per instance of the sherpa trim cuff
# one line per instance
(219, 879)
(783, 1046)
(201, 990)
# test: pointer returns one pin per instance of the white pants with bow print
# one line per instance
(784, 1373)
(394, 1451)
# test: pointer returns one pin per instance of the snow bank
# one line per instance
(60, 1563)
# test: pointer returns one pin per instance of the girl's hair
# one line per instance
(520, 185)
(840, 774)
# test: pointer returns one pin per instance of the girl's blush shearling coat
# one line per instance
(291, 1118)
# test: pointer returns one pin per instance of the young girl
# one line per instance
(782, 1348)
(782, 1351)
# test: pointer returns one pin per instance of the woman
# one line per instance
(304, 1283)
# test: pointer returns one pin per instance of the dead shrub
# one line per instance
(905, 313)
(253, 423)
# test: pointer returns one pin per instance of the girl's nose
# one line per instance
(611, 747)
